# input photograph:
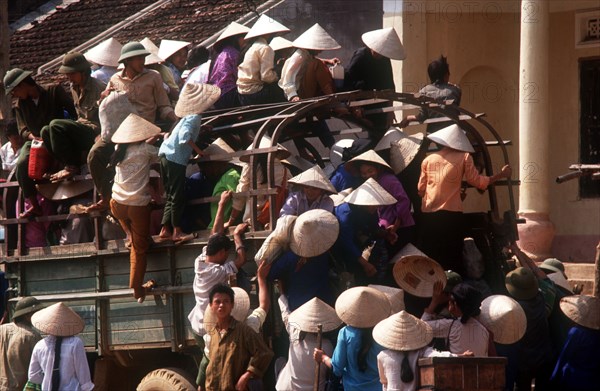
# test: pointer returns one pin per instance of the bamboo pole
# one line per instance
(318, 364)
(597, 272)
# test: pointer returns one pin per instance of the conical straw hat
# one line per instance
(504, 317)
(279, 43)
(362, 307)
(404, 151)
(233, 29)
(264, 26)
(313, 313)
(402, 331)
(265, 142)
(297, 162)
(337, 151)
(105, 53)
(385, 42)
(415, 272)
(370, 193)
(58, 320)
(393, 134)
(196, 99)
(314, 177)
(218, 148)
(153, 57)
(314, 232)
(370, 156)
(133, 129)
(583, 310)
(316, 38)
(169, 47)
(453, 137)
(394, 295)
(239, 312)
(338, 198)
(560, 280)
(65, 189)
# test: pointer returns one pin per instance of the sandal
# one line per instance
(99, 206)
(185, 238)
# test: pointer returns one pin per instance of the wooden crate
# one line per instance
(462, 373)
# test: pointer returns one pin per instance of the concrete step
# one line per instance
(581, 274)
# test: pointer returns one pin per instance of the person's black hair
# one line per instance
(358, 146)
(221, 288)
(366, 342)
(406, 373)
(217, 242)
(438, 69)
(29, 80)
(198, 55)
(11, 128)
(118, 155)
(468, 299)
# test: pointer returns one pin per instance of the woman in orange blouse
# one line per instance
(441, 233)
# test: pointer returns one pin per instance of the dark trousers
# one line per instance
(441, 237)
(270, 93)
(68, 140)
(22, 172)
(228, 100)
(173, 175)
(98, 160)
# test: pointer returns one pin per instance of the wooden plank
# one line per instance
(68, 269)
(140, 336)
(75, 285)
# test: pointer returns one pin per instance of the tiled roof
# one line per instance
(68, 28)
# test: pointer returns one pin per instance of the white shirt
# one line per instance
(292, 73)
(471, 336)
(200, 74)
(298, 374)
(207, 276)
(74, 369)
(132, 175)
(257, 68)
(389, 363)
(9, 157)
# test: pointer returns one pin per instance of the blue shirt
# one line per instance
(345, 361)
(303, 282)
(578, 365)
(341, 179)
(347, 249)
(176, 148)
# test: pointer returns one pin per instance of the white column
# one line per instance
(535, 236)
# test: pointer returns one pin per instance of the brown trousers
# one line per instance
(135, 220)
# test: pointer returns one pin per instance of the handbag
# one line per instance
(39, 160)
(282, 192)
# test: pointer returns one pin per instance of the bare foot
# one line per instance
(99, 206)
(31, 213)
(65, 174)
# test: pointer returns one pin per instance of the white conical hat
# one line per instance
(404, 151)
(560, 280)
(153, 57)
(337, 151)
(314, 232)
(169, 47)
(279, 43)
(234, 28)
(370, 193)
(313, 313)
(105, 53)
(58, 320)
(196, 99)
(453, 137)
(393, 134)
(370, 156)
(583, 310)
(265, 25)
(385, 42)
(394, 295)
(316, 38)
(133, 129)
(314, 177)
(415, 272)
(338, 198)
(402, 331)
(65, 189)
(239, 312)
(362, 307)
(220, 147)
(504, 317)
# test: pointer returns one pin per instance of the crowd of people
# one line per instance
(377, 246)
